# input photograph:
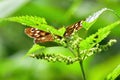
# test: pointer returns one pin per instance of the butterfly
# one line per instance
(42, 36)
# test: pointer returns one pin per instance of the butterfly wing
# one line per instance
(72, 28)
(38, 35)
(42, 36)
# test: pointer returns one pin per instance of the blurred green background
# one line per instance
(14, 43)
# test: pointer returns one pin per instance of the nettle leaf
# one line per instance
(51, 29)
(94, 39)
(114, 74)
(92, 19)
(54, 54)
(98, 48)
(37, 22)
(62, 31)
(35, 48)
(28, 20)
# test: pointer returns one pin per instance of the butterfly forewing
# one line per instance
(72, 28)
(42, 36)
(38, 35)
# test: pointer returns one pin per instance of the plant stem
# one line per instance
(82, 69)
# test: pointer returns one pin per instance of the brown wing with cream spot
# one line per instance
(38, 35)
(42, 36)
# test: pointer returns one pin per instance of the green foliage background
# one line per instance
(14, 43)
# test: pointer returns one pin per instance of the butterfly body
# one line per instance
(42, 36)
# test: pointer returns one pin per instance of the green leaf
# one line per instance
(62, 31)
(92, 19)
(51, 29)
(35, 48)
(53, 54)
(37, 22)
(28, 20)
(94, 39)
(114, 74)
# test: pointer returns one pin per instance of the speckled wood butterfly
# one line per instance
(42, 36)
